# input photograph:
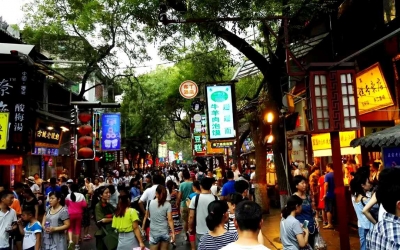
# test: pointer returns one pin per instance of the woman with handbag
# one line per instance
(106, 237)
(125, 221)
(307, 208)
(293, 235)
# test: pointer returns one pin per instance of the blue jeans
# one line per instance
(154, 240)
(362, 232)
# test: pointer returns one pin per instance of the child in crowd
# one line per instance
(32, 231)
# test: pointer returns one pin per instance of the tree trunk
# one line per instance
(257, 131)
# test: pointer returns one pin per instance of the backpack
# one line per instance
(196, 201)
(200, 176)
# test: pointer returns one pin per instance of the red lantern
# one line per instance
(85, 129)
(84, 117)
(85, 141)
(85, 152)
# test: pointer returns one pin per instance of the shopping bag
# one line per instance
(320, 243)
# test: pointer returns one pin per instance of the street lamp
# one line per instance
(268, 119)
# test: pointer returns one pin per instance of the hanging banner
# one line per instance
(220, 112)
(162, 150)
(372, 90)
(111, 131)
(199, 132)
(323, 141)
(3, 130)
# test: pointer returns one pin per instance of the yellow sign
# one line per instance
(323, 141)
(372, 90)
(214, 151)
(3, 130)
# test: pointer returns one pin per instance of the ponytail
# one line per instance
(293, 202)
(162, 195)
(216, 211)
(74, 188)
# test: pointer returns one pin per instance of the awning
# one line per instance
(5, 48)
(385, 138)
(343, 151)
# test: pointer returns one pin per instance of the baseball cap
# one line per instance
(70, 181)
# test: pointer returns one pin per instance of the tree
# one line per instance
(96, 32)
(207, 20)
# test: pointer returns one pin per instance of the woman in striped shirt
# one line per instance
(218, 236)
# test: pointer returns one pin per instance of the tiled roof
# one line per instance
(385, 138)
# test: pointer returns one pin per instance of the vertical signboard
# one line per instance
(199, 131)
(110, 131)
(3, 130)
(96, 131)
(14, 81)
(220, 115)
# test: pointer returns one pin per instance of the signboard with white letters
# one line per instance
(220, 116)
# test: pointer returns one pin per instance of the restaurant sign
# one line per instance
(3, 130)
(220, 112)
(323, 141)
(111, 131)
(222, 144)
(372, 90)
(199, 141)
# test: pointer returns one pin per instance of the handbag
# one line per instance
(320, 243)
(110, 239)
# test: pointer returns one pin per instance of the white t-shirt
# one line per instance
(35, 189)
(6, 219)
(252, 178)
(236, 175)
(30, 235)
(201, 211)
(235, 246)
(214, 189)
(150, 193)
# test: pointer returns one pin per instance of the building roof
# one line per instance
(385, 138)
(299, 49)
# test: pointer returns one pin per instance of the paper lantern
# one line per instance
(84, 117)
(85, 130)
(85, 141)
(85, 152)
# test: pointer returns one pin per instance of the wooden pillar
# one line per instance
(340, 192)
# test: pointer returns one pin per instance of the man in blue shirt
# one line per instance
(329, 186)
(52, 188)
(229, 187)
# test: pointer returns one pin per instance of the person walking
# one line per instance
(30, 201)
(159, 212)
(308, 207)
(229, 187)
(126, 222)
(218, 236)
(8, 218)
(56, 222)
(185, 189)
(329, 196)
(103, 215)
(76, 204)
(32, 232)
(293, 235)
(171, 186)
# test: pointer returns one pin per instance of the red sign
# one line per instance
(10, 160)
(50, 163)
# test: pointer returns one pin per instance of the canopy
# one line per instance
(385, 138)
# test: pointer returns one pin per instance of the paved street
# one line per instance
(270, 231)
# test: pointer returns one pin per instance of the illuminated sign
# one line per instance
(3, 130)
(111, 131)
(199, 141)
(220, 112)
(372, 90)
(222, 144)
(214, 151)
(323, 141)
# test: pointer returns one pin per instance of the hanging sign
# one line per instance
(199, 131)
(3, 130)
(197, 106)
(222, 144)
(323, 141)
(372, 90)
(220, 112)
(111, 131)
(188, 89)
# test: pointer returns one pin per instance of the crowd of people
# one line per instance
(214, 210)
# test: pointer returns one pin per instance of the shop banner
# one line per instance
(199, 132)
(111, 131)
(162, 150)
(372, 90)
(51, 137)
(391, 157)
(323, 141)
(3, 130)
(220, 112)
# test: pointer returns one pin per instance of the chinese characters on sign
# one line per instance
(199, 135)
(323, 141)
(220, 112)
(45, 151)
(222, 144)
(111, 131)
(3, 130)
(372, 90)
(188, 89)
(391, 157)
(48, 135)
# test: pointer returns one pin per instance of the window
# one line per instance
(321, 102)
(348, 101)
(389, 10)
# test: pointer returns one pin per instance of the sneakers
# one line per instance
(87, 237)
(71, 245)
(77, 247)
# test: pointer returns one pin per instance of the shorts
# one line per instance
(329, 204)
(185, 214)
(154, 240)
(75, 224)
